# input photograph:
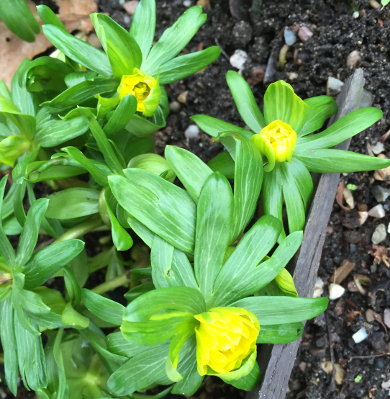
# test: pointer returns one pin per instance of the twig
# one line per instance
(222, 50)
(369, 357)
(332, 384)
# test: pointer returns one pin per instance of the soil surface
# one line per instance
(336, 33)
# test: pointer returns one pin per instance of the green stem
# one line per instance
(81, 229)
(112, 284)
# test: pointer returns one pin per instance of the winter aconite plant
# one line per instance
(290, 151)
(180, 279)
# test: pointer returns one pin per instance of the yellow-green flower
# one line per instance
(277, 142)
(145, 88)
(226, 341)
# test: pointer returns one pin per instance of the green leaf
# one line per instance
(29, 236)
(245, 101)
(77, 50)
(143, 25)
(139, 290)
(8, 342)
(25, 123)
(32, 363)
(120, 236)
(122, 115)
(123, 51)
(49, 260)
(119, 345)
(22, 98)
(52, 131)
(6, 249)
(281, 103)
(339, 161)
(248, 177)
(190, 169)
(19, 19)
(281, 310)
(170, 266)
(102, 141)
(137, 146)
(104, 308)
(285, 282)
(183, 299)
(280, 333)
(141, 127)
(223, 163)
(344, 128)
(99, 176)
(139, 372)
(73, 203)
(321, 108)
(214, 218)
(250, 381)
(71, 317)
(214, 126)
(186, 65)
(82, 92)
(242, 275)
(161, 206)
(48, 17)
(161, 328)
(174, 39)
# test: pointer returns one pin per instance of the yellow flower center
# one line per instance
(225, 338)
(139, 85)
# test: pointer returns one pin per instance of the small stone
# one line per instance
(370, 315)
(366, 100)
(355, 14)
(302, 366)
(380, 193)
(304, 33)
(257, 76)
(187, 3)
(242, 33)
(379, 234)
(335, 291)
(292, 75)
(374, 4)
(377, 212)
(377, 340)
(354, 58)
(333, 86)
(379, 363)
(373, 268)
(352, 287)
(388, 228)
(378, 148)
(362, 217)
(386, 317)
(386, 384)
(362, 207)
(360, 335)
(289, 37)
(130, 6)
(94, 40)
(271, 70)
(238, 59)
(174, 106)
(347, 193)
(192, 132)
(182, 97)
(318, 288)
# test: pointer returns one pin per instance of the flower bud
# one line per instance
(226, 342)
(153, 163)
(277, 142)
(145, 88)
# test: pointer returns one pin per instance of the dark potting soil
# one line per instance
(336, 33)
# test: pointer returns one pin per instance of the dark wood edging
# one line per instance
(277, 361)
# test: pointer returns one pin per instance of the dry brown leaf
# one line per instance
(339, 371)
(380, 254)
(382, 174)
(342, 271)
(73, 13)
(204, 4)
(130, 6)
(339, 196)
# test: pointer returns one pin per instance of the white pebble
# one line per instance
(336, 291)
(356, 14)
(187, 3)
(318, 288)
(192, 132)
(377, 211)
(333, 86)
(238, 59)
(362, 217)
(379, 234)
(289, 37)
(378, 148)
(360, 335)
(388, 228)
